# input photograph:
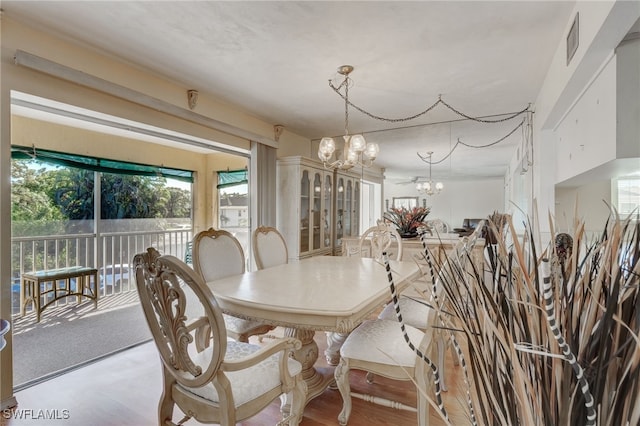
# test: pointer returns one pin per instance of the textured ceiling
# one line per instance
(274, 60)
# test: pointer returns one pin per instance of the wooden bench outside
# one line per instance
(34, 287)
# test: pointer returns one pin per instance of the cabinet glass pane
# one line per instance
(317, 210)
(356, 209)
(304, 212)
(347, 208)
(339, 211)
(327, 213)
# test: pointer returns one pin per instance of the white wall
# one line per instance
(602, 27)
(590, 203)
(627, 96)
(458, 200)
(586, 137)
(595, 141)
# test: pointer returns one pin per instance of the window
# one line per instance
(64, 184)
(54, 222)
(233, 202)
(628, 196)
(405, 202)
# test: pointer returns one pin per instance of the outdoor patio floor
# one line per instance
(71, 335)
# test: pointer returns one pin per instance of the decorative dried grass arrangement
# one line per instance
(553, 335)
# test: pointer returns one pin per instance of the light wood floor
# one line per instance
(124, 389)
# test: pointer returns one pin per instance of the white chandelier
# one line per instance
(429, 187)
(356, 151)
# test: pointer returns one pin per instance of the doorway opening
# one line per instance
(108, 217)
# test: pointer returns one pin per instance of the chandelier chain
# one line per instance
(427, 158)
(496, 142)
(480, 120)
(356, 151)
(346, 104)
(345, 97)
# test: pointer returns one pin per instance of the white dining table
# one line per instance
(323, 293)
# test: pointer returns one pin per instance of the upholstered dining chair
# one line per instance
(414, 310)
(381, 236)
(417, 312)
(218, 254)
(394, 349)
(210, 379)
(269, 247)
(381, 347)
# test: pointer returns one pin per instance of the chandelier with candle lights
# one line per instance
(356, 151)
(429, 187)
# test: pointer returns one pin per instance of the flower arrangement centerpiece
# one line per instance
(407, 221)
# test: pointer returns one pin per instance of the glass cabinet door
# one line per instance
(339, 211)
(316, 219)
(327, 212)
(304, 211)
(348, 211)
(355, 223)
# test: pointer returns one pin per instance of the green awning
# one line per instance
(227, 178)
(98, 164)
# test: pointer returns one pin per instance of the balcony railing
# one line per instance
(111, 253)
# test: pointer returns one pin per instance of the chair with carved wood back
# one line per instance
(416, 312)
(380, 237)
(209, 378)
(218, 254)
(374, 241)
(269, 249)
(381, 346)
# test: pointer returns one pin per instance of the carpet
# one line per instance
(73, 335)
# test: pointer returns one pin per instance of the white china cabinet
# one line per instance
(317, 207)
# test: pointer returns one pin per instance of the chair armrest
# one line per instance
(197, 323)
(202, 334)
(286, 344)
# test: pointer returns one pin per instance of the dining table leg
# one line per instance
(317, 380)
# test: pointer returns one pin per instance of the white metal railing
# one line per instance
(111, 253)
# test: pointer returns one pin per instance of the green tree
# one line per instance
(127, 197)
(28, 199)
(67, 194)
(179, 203)
(72, 190)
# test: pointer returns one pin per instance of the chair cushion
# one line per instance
(382, 341)
(414, 313)
(249, 383)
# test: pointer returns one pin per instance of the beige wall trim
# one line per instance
(63, 72)
(210, 146)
